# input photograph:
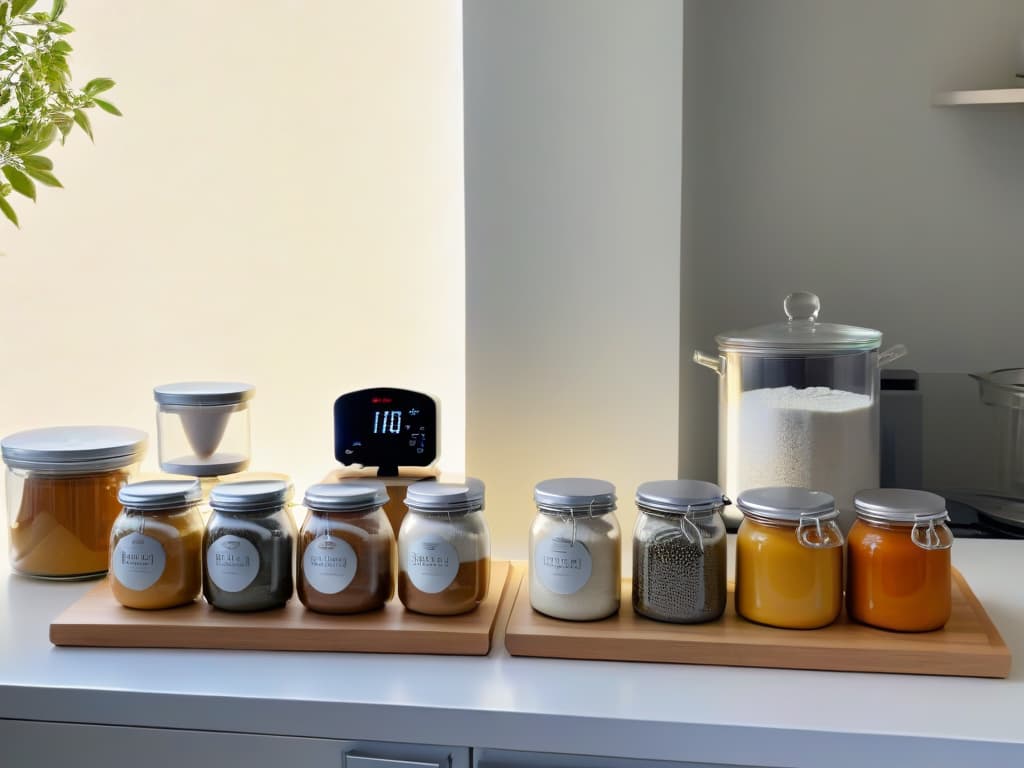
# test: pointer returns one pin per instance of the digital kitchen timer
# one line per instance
(386, 428)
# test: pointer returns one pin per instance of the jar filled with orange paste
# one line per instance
(156, 545)
(789, 558)
(62, 485)
(899, 561)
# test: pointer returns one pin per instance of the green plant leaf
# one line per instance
(18, 7)
(106, 106)
(56, 9)
(61, 46)
(83, 122)
(62, 28)
(98, 85)
(43, 177)
(38, 162)
(21, 183)
(9, 212)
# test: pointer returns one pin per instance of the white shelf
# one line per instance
(986, 96)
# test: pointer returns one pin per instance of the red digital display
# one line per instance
(379, 400)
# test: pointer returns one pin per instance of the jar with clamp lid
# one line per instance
(899, 561)
(575, 550)
(679, 552)
(789, 558)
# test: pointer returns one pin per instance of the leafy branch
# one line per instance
(38, 104)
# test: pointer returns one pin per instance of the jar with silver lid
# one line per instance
(444, 548)
(248, 546)
(679, 552)
(575, 550)
(900, 574)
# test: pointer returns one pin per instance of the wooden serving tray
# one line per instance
(969, 645)
(97, 619)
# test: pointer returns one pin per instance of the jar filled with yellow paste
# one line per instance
(789, 558)
(156, 545)
(62, 485)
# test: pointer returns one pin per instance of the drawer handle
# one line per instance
(366, 761)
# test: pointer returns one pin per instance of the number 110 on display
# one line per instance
(387, 422)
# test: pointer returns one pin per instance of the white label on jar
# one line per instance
(562, 566)
(431, 564)
(329, 564)
(138, 561)
(232, 563)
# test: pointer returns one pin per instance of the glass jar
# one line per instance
(346, 549)
(789, 558)
(575, 550)
(203, 427)
(798, 404)
(248, 545)
(899, 561)
(62, 485)
(679, 552)
(156, 558)
(444, 549)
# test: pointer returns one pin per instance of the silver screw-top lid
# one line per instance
(249, 496)
(203, 393)
(432, 496)
(343, 497)
(899, 505)
(578, 495)
(786, 504)
(160, 494)
(73, 449)
(680, 496)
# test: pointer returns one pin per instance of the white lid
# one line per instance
(160, 494)
(899, 505)
(786, 504)
(249, 496)
(432, 496)
(346, 496)
(74, 449)
(575, 494)
(680, 496)
(203, 393)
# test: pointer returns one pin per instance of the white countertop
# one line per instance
(656, 711)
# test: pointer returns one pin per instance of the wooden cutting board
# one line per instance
(97, 619)
(968, 646)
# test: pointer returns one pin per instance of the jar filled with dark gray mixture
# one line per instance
(679, 554)
(248, 547)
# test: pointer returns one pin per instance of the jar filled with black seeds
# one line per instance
(679, 553)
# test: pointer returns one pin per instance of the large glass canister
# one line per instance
(575, 549)
(203, 427)
(679, 552)
(898, 561)
(1004, 391)
(789, 558)
(798, 405)
(62, 485)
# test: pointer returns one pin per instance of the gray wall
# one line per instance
(573, 151)
(813, 160)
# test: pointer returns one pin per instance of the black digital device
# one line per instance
(386, 428)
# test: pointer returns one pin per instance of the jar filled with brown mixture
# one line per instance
(346, 549)
(62, 485)
(156, 546)
(444, 549)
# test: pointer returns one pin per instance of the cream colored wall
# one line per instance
(282, 203)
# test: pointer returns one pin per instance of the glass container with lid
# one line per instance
(444, 548)
(789, 558)
(62, 485)
(679, 551)
(203, 427)
(898, 557)
(248, 546)
(156, 558)
(798, 405)
(575, 549)
(346, 549)
(1004, 391)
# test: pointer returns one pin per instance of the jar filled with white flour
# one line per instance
(575, 552)
(798, 405)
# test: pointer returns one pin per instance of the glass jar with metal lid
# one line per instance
(62, 485)
(156, 558)
(248, 546)
(789, 558)
(679, 552)
(575, 550)
(346, 549)
(798, 404)
(444, 548)
(203, 427)
(899, 561)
